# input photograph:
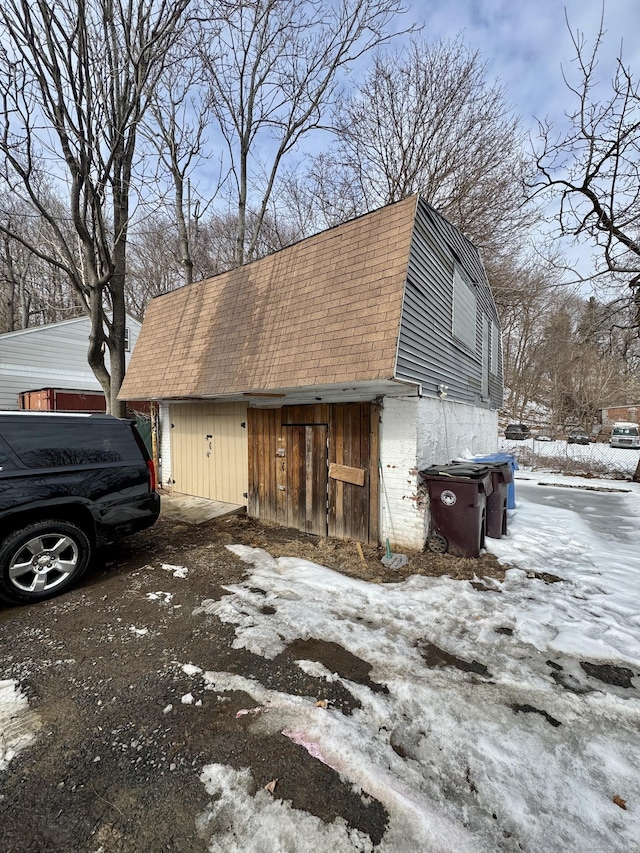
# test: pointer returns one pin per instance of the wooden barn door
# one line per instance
(315, 468)
(353, 472)
(306, 480)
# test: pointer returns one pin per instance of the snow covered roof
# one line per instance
(325, 310)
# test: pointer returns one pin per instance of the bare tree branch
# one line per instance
(592, 171)
(76, 78)
(273, 70)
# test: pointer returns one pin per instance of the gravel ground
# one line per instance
(116, 762)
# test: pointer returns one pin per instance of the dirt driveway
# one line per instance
(122, 739)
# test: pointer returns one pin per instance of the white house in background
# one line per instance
(51, 356)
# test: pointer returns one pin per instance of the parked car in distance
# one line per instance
(542, 437)
(68, 483)
(517, 432)
(625, 434)
(578, 438)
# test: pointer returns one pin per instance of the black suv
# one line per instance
(68, 483)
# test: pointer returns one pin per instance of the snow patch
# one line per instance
(18, 725)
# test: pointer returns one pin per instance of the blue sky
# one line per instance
(527, 46)
(525, 42)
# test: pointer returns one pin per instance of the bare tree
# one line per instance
(592, 171)
(31, 291)
(581, 370)
(524, 292)
(273, 70)
(426, 120)
(75, 81)
(154, 265)
(181, 116)
(15, 263)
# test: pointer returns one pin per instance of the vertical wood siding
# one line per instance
(290, 451)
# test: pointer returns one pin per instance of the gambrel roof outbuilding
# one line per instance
(367, 304)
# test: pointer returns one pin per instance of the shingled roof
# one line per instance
(326, 310)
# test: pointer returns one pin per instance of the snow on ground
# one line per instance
(501, 758)
(564, 456)
(17, 723)
(507, 744)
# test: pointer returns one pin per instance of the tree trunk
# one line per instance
(184, 227)
(116, 348)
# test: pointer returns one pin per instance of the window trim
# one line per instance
(464, 308)
(494, 353)
(486, 357)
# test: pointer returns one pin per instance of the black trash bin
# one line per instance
(458, 497)
(497, 502)
(512, 462)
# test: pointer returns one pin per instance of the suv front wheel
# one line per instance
(39, 561)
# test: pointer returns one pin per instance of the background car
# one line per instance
(578, 438)
(68, 483)
(542, 437)
(517, 432)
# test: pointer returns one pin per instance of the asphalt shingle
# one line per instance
(324, 310)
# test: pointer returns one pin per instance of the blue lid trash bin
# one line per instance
(458, 503)
(513, 463)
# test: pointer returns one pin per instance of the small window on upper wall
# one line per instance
(495, 349)
(464, 310)
(127, 340)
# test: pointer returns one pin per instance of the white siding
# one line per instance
(164, 475)
(448, 430)
(53, 356)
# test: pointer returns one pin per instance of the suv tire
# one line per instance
(42, 559)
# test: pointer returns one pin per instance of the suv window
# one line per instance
(66, 444)
(7, 461)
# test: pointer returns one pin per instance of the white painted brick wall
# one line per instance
(448, 430)
(417, 433)
(402, 514)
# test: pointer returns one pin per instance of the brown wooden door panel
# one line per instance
(307, 472)
(351, 445)
(290, 450)
(265, 472)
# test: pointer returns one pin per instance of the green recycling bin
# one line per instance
(458, 501)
